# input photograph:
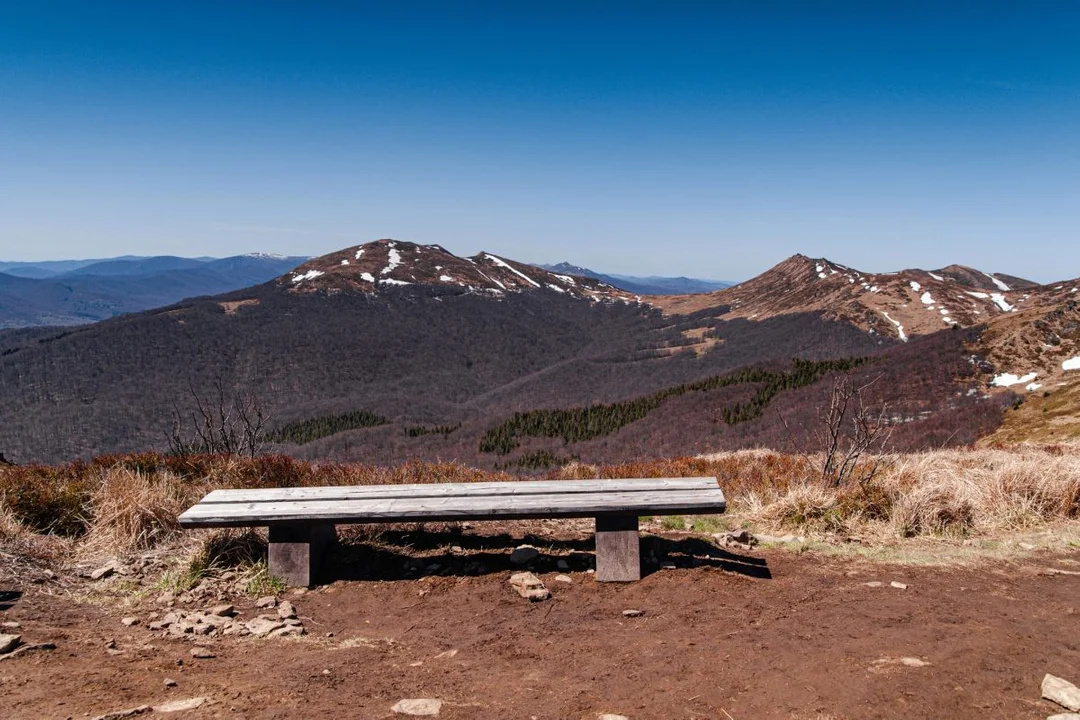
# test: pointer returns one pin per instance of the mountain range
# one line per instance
(73, 292)
(652, 285)
(392, 349)
(77, 292)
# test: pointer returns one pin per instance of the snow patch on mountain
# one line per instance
(1010, 379)
(506, 265)
(999, 300)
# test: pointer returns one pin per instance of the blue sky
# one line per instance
(706, 139)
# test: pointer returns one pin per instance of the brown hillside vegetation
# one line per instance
(131, 502)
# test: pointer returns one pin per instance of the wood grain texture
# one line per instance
(541, 487)
(618, 549)
(492, 507)
(296, 550)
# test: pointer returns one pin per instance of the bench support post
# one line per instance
(618, 549)
(296, 550)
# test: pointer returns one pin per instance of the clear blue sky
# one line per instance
(709, 139)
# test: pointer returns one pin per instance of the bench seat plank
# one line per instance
(542, 487)
(494, 507)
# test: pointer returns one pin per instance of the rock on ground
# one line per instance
(178, 705)
(202, 653)
(9, 643)
(120, 714)
(1061, 691)
(529, 586)
(418, 707)
(524, 554)
(263, 626)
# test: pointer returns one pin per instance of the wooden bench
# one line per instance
(301, 520)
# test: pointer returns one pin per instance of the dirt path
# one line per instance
(797, 636)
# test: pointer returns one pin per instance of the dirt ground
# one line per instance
(727, 634)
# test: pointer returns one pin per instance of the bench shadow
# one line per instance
(8, 598)
(392, 558)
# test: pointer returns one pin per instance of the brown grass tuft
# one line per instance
(136, 511)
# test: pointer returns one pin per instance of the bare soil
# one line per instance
(727, 634)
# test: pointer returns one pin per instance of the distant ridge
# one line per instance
(651, 285)
(77, 292)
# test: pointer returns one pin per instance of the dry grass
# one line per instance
(130, 503)
(134, 510)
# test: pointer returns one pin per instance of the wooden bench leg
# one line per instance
(618, 549)
(296, 550)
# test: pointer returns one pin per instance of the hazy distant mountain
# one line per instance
(79, 292)
(652, 285)
(51, 268)
(136, 266)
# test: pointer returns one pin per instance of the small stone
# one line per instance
(457, 550)
(590, 571)
(261, 627)
(222, 610)
(158, 625)
(529, 586)
(129, 621)
(418, 707)
(326, 671)
(742, 537)
(562, 565)
(873, 583)
(633, 613)
(286, 611)
(178, 705)
(329, 634)
(202, 653)
(102, 572)
(9, 643)
(524, 554)
(169, 682)
(563, 579)
(119, 714)
(1061, 691)
(668, 566)
(287, 630)
(1027, 546)
(611, 716)
(11, 625)
(898, 585)
(266, 602)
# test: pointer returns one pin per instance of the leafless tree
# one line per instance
(849, 430)
(219, 424)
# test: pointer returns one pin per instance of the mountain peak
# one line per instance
(896, 304)
(374, 266)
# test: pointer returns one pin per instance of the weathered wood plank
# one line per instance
(295, 551)
(457, 508)
(361, 492)
(618, 549)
